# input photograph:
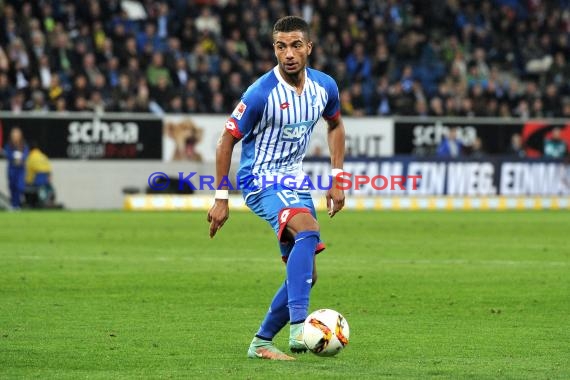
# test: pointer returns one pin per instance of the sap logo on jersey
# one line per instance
(294, 132)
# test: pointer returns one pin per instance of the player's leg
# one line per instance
(304, 230)
(269, 205)
(293, 228)
(277, 316)
(296, 343)
(14, 191)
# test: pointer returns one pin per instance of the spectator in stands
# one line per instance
(142, 100)
(96, 103)
(17, 102)
(55, 88)
(492, 109)
(89, 68)
(522, 109)
(80, 104)
(162, 92)
(149, 37)
(436, 107)
(559, 71)
(537, 109)
(382, 97)
(358, 99)
(60, 105)
(358, 64)
(4, 62)
(16, 152)
(175, 105)
(191, 105)
(156, 70)
(209, 22)
(6, 91)
(478, 99)
(112, 73)
(477, 151)
(450, 146)
(508, 53)
(555, 146)
(551, 101)
(128, 51)
(218, 103)
(61, 56)
(421, 108)
(516, 148)
(37, 103)
(180, 73)
(347, 108)
(504, 110)
(566, 109)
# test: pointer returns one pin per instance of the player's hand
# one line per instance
(335, 199)
(217, 216)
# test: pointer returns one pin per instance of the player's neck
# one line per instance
(297, 81)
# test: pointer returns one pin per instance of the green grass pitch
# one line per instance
(103, 295)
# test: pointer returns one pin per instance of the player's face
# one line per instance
(292, 50)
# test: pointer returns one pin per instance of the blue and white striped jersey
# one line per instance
(275, 124)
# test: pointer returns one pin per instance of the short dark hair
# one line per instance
(292, 24)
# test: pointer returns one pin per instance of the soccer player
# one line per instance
(274, 120)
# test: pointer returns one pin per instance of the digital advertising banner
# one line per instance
(422, 137)
(194, 137)
(76, 137)
(432, 177)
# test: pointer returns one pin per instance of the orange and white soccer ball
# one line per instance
(325, 332)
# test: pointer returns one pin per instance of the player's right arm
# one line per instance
(220, 211)
(246, 114)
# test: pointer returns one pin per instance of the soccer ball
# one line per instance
(325, 332)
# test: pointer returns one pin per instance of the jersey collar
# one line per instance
(287, 85)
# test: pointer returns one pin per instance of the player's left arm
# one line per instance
(336, 141)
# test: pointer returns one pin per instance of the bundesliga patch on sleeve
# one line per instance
(239, 110)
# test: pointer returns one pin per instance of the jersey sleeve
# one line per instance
(332, 109)
(246, 114)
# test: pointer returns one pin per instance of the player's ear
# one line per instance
(309, 47)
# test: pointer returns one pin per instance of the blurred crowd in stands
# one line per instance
(501, 58)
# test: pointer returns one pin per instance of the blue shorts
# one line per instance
(268, 204)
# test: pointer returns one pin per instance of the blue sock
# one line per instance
(300, 274)
(277, 316)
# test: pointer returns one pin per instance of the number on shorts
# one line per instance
(288, 197)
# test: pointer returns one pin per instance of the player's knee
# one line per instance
(298, 221)
(303, 222)
(312, 225)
